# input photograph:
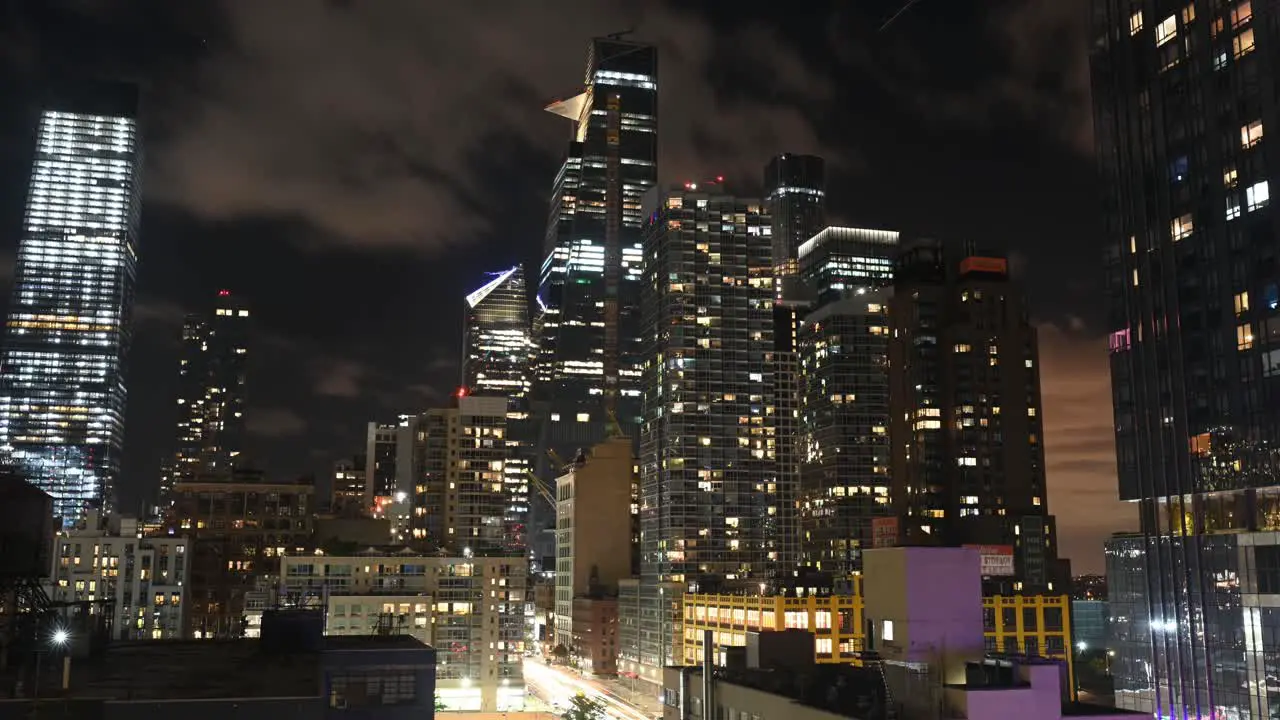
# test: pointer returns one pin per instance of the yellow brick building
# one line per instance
(1017, 624)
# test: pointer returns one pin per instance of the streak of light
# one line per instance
(908, 6)
(557, 685)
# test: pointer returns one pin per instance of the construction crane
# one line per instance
(541, 487)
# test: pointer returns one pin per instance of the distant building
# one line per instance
(795, 189)
(469, 490)
(593, 528)
(350, 487)
(141, 582)
(63, 362)
(497, 351)
(470, 608)
(1089, 587)
(212, 392)
(595, 634)
(391, 473)
(967, 461)
(1089, 620)
(238, 525)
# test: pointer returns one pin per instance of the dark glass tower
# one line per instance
(212, 393)
(589, 290)
(967, 460)
(795, 198)
(496, 349)
(711, 511)
(1184, 109)
(844, 394)
(67, 336)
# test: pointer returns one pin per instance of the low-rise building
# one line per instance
(238, 526)
(291, 673)
(471, 609)
(1036, 625)
(138, 581)
(595, 634)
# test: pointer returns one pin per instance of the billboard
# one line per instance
(995, 560)
(998, 266)
(884, 532)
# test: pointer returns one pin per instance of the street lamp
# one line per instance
(1082, 646)
(57, 641)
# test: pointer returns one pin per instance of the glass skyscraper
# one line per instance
(844, 394)
(590, 354)
(1184, 94)
(212, 393)
(796, 200)
(711, 511)
(67, 336)
(497, 352)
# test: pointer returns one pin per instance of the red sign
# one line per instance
(884, 532)
(998, 266)
(995, 560)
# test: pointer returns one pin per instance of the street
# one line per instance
(558, 685)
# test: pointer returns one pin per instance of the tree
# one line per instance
(582, 707)
(560, 652)
(440, 706)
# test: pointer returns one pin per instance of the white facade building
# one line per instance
(471, 609)
(138, 580)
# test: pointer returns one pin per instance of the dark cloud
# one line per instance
(275, 423)
(1080, 455)
(364, 119)
(340, 378)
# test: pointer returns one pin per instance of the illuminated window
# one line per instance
(1230, 176)
(1242, 44)
(1242, 303)
(1189, 13)
(1135, 22)
(1257, 195)
(1251, 134)
(962, 348)
(1031, 412)
(584, 417)
(1135, 277)
(1035, 500)
(1166, 30)
(1181, 227)
(1244, 336)
(1241, 14)
(1233, 206)
(1133, 245)
(887, 632)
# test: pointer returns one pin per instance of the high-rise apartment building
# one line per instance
(967, 457)
(464, 493)
(211, 393)
(1183, 98)
(795, 188)
(843, 345)
(711, 512)
(844, 473)
(69, 327)
(497, 353)
(590, 354)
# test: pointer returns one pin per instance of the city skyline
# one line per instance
(328, 369)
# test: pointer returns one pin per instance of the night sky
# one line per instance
(353, 169)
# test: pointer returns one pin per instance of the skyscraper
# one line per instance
(1182, 96)
(844, 394)
(967, 457)
(795, 198)
(67, 336)
(211, 393)
(497, 352)
(590, 353)
(710, 510)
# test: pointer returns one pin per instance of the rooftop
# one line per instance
(853, 692)
(209, 669)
